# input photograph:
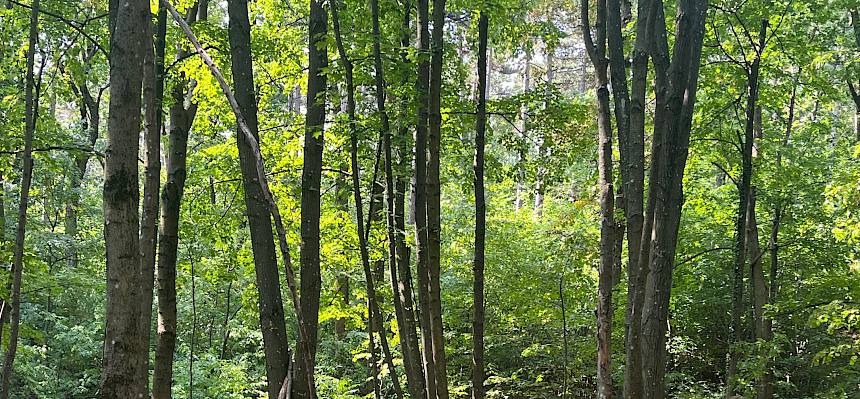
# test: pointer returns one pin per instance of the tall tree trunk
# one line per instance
(765, 386)
(272, 324)
(310, 203)
(480, 215)
(31, 109)
(398, 256)
(405, 158)
(374, 320)
(634, 189)
(124, 357)
(181, 119)
(743, 204)
(596, 48)
(434, 198)
(420, 208)
(153, 92)
(673, 122)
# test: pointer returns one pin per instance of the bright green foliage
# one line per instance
(535, 260)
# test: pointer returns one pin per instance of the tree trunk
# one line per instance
(480, 216)
(434, 198)
(421, 193)
(673, 122)
(272, 324)
(181, 119)
(374, 321)
(597, 53)
(634, 189)
(123, 356)
(398, 256)
(310, 203)
(153, 92)
(31, 110)
(743, 204)
(757, 284)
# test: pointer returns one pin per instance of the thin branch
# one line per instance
(696, 255)
(76, 25)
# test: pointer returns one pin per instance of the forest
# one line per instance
(430, 199)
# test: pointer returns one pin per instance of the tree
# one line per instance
(434, 194)
(153, 93)
(374, 317)
(419, 209)
(31, 110)
(676, 84)
(124, 356)
(311, 174)
(597, 54)
(480, 214)
(259, 215)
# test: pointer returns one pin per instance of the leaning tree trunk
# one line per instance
(310, 203)
(420, 207)
(480, 216)
(272, 324)
(31, 109)
(123, 356)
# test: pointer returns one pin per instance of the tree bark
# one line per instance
(123, 356)
(181, 119)
(757, 284)
(434, 198)
(272, 324)
(31, 110)
(596, 49)
(679, 81)
(480, 216)
(310, 202)
(634, 190)
(153, 92)
(420, 208)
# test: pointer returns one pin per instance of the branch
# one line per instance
(77, 26)
(727, 174)
(57, 148)
(694, 256)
